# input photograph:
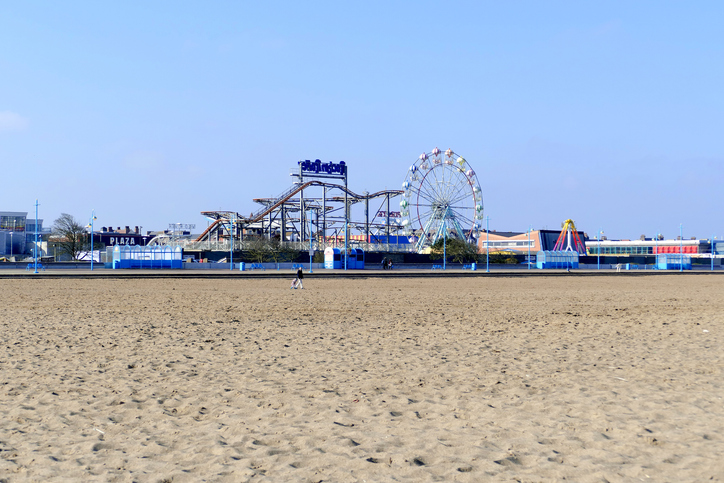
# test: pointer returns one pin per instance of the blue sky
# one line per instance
(609, 113)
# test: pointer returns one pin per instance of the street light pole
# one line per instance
(656, 253)
(93, 217)
(656, 256)
(231, 245)
(487, 242)
(444, 245)
(35, 251)
(311, 241)
(598, 239)
(530, 227)
(11, 239)
(681, 247)
(712, 252)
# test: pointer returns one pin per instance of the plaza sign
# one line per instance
(119, 239)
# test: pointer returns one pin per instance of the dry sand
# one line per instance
(464, 379)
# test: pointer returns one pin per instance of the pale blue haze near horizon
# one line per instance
(609, 113)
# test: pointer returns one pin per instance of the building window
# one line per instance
(12, 223)
(508, 244)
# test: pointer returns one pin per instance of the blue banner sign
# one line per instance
(319, 168)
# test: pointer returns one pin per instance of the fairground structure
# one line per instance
(440, 197)
(314, 208)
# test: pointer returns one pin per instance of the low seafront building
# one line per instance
(17, 235)
(703, 248)
(518, 242)
(541, 240)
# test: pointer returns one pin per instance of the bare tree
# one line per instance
(280, 252)
(70, 235)
(260, 250)
(257, 249)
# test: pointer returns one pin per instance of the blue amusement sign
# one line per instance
(318, 168)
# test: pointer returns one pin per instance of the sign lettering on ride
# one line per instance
(318, 168)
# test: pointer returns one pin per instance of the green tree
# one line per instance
(70, 236)
(456, 250)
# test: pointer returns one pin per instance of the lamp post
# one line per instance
(656, 253)
(530, 227)
(598, 239)
(311, 242)
(681, 247)
(35, 251)
(93, 217)
(444, 245)
(11, 239)
(487, 243)
(656, 241)
(231, 245)
(712, 251)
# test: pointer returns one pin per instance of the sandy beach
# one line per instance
(529, 379)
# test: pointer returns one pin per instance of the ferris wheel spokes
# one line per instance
(460, 197)
(439, 191)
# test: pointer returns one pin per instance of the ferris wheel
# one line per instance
(441, 198)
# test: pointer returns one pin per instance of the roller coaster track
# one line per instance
(225, 216)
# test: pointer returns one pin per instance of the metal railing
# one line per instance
(223, 245)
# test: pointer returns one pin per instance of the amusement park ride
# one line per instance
(287, 215)
(441, 197)
(569, 236)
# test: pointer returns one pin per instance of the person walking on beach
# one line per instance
(297, 283)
